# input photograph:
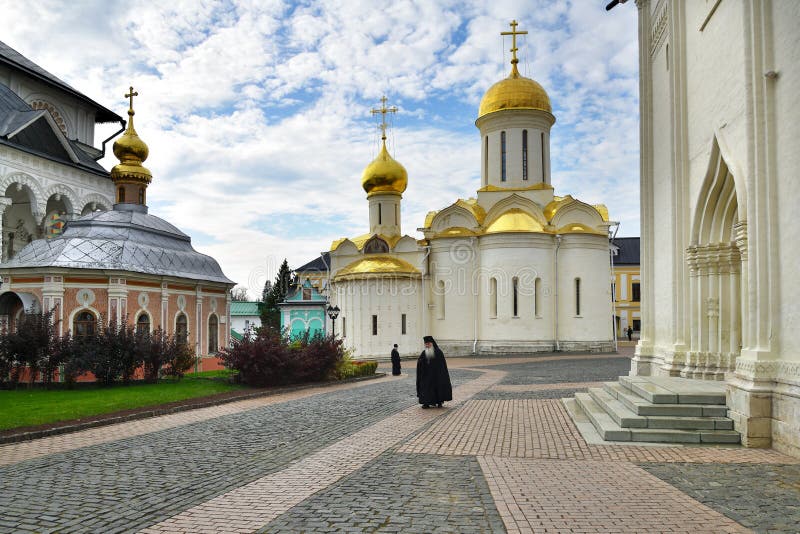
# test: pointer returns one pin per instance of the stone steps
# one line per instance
(659, 410)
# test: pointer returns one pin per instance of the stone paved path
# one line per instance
(503, 457)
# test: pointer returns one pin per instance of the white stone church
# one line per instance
(515, 269)
(720, 160)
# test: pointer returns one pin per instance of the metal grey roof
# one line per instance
(628, 253)
(319, 263)
(37, 135)
(126, 238)
(17, 61)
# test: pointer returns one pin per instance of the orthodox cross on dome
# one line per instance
(513, 33)
(383, 111)
(130, 95)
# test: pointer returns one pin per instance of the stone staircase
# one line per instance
(657, 410)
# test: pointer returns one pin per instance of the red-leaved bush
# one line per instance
(269, 359)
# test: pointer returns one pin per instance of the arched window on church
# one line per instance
(182, 329)
(515, 295)
(577, 296)
(502, 156)
(141, 195)
(84, 325)
(537, 298)
(524, 154)
(121, 194)
(493, 297)
(143, 324)
(213, 334)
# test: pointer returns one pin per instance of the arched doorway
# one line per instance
(20, 224)
(12, 305)
(715, 264)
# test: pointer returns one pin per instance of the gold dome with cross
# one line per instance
(516, 91)
(384, 174)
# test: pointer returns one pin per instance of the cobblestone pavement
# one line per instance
(765, 498)
(503, 457)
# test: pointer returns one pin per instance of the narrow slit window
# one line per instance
(515, 295)
(344, 326)
(486, 160)
(524, 154)
(403, 324)
(537, 298)
(544, 171)
(379, 213)
(502, 156)
(121, 194)
(493, 297)
(374, 325)
(577, 296)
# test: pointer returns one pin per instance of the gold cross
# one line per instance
(513, 33)
(130, 95)
(383, 111)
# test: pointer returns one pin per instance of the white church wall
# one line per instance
(584, 258)
(451, 294)
(388, 299)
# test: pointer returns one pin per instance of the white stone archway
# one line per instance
(717, 272)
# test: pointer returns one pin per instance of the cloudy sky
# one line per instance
(257, 117)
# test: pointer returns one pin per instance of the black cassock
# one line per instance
(395, 362)
(433, 380)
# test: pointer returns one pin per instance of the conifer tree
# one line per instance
(270, 314)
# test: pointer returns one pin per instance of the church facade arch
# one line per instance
(716, 268)
(515, 201)
(94, 201)
(32, 186)
(454, 216)
(65, 194)
(60, 118)
(577, 212)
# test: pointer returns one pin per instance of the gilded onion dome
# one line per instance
(384, 174)
(516, 91)
(131, 152)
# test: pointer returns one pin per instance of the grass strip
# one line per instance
(27, 407)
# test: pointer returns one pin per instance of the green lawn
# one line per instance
(24, 407)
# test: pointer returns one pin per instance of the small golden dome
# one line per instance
(514, 92)
(131, 152)
(384, 175)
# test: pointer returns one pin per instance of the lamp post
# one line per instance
(333, 313)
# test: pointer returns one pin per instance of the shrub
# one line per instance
(354, 369)
(32, 347)
(269, 359)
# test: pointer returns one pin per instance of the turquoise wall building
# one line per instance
(303, 310)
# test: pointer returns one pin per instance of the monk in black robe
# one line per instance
(433, 380)
(395, 361)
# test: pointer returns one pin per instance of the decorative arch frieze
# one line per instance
(59, 118)
(36, 195)
(64, 193)
(99, 201)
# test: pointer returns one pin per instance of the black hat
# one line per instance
(395, 345)
(428, 339)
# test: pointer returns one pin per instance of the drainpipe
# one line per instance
(103, 149)
(555, 293)
(613, 296)
(474, 300)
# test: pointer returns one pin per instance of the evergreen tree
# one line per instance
(270, 314)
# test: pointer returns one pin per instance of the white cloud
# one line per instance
(257, 113)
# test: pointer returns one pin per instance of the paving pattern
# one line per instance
(364, 457)
(765, 498)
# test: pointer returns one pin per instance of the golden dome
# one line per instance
(131, 152)
(384, 175)
(377, 265)
(514, 220)
(514, 92)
